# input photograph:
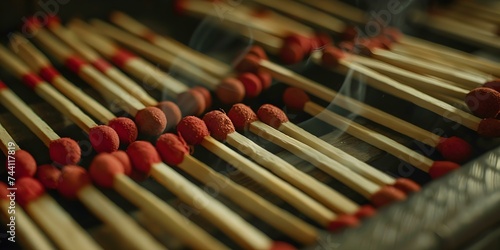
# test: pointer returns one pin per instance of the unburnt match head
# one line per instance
(279, 245)
(230, 91)
(489, 127)
(124, 160)
(49, 176)
(257, 51)
(25, 164)
(483, 102)
(172, 112)
(271, 115)
(104, 168)
(218, 124)
(192, 129)
(407, 186)
(125, 128)
(104, 139)
(143, 155)
(151, 121)
(441, 168)
(252, 84)
(331, 55)
(387, 195)
(28, 190)
(455, 149)
(241, 115)
(495, 84)
(249, 63)
(73, 179)
(191, 102)
(206, 95)
(265, 78)
(172, 148)
(65, 151)
(342, 222)
(365, 211)
(295, 98)
(295, 48)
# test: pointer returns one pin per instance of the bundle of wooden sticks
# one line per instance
(164, 146)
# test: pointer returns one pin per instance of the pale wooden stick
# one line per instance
(293, 79)
(484, 27)
(47, 92)
(58, 225)
(303, 12)
(37, 61)
(260, 207)
(339, 8)
(164, 215)
(29, 118)
(133, 26)
(342, 157)
(285, 191)
(369, 136)
(483, 12)
(88, 73)
(156, 54)
(113, 73)
(116, 219)
(321, 161)
(6, 140)
(421, 82)
(415, 96)
(141, 69)
(317, 190)
(30, 234)
(213, 210)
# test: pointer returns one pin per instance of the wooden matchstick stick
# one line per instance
(150, 120)
(113, 73)
(62, 150)
(434, 168)
(164, 215)
(169, 145)
(221, 128)
(56, 222)
(285, 191)
(75, 183)
(126, 22)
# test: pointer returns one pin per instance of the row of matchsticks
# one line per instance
(418, 71)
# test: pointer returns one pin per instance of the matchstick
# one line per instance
(109, 171)
(175, 152)
(20, 163)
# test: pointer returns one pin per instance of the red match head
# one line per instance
(241, 115)
(322, 40)
(73, 179)
(172, 148)
(150, 121)
(343, 221)
(387, 195)
(125, 128)
(252, 84)
(230, 91)
(28, 190)
(364, 212)
(65, 151)
(104, 168)
(303, 42)
(249, 63)
(440, 168)
(279, 245)
(49, 176)
(25, 164)
(171, 111)
(350, 33)
(258, 51)
(295, 98)
(191, 102)
(124, 160)
(104, 139)
(206, 95)
(455, 149)
(489, 127)
(218, 124)
(495, 84)
(406, 185)
(393, 33)
(483, 102)
(291, 53)
(53, 20)
(192, 129)
(271, 115)
(332, 55)
(265, 78)
(143, 155)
